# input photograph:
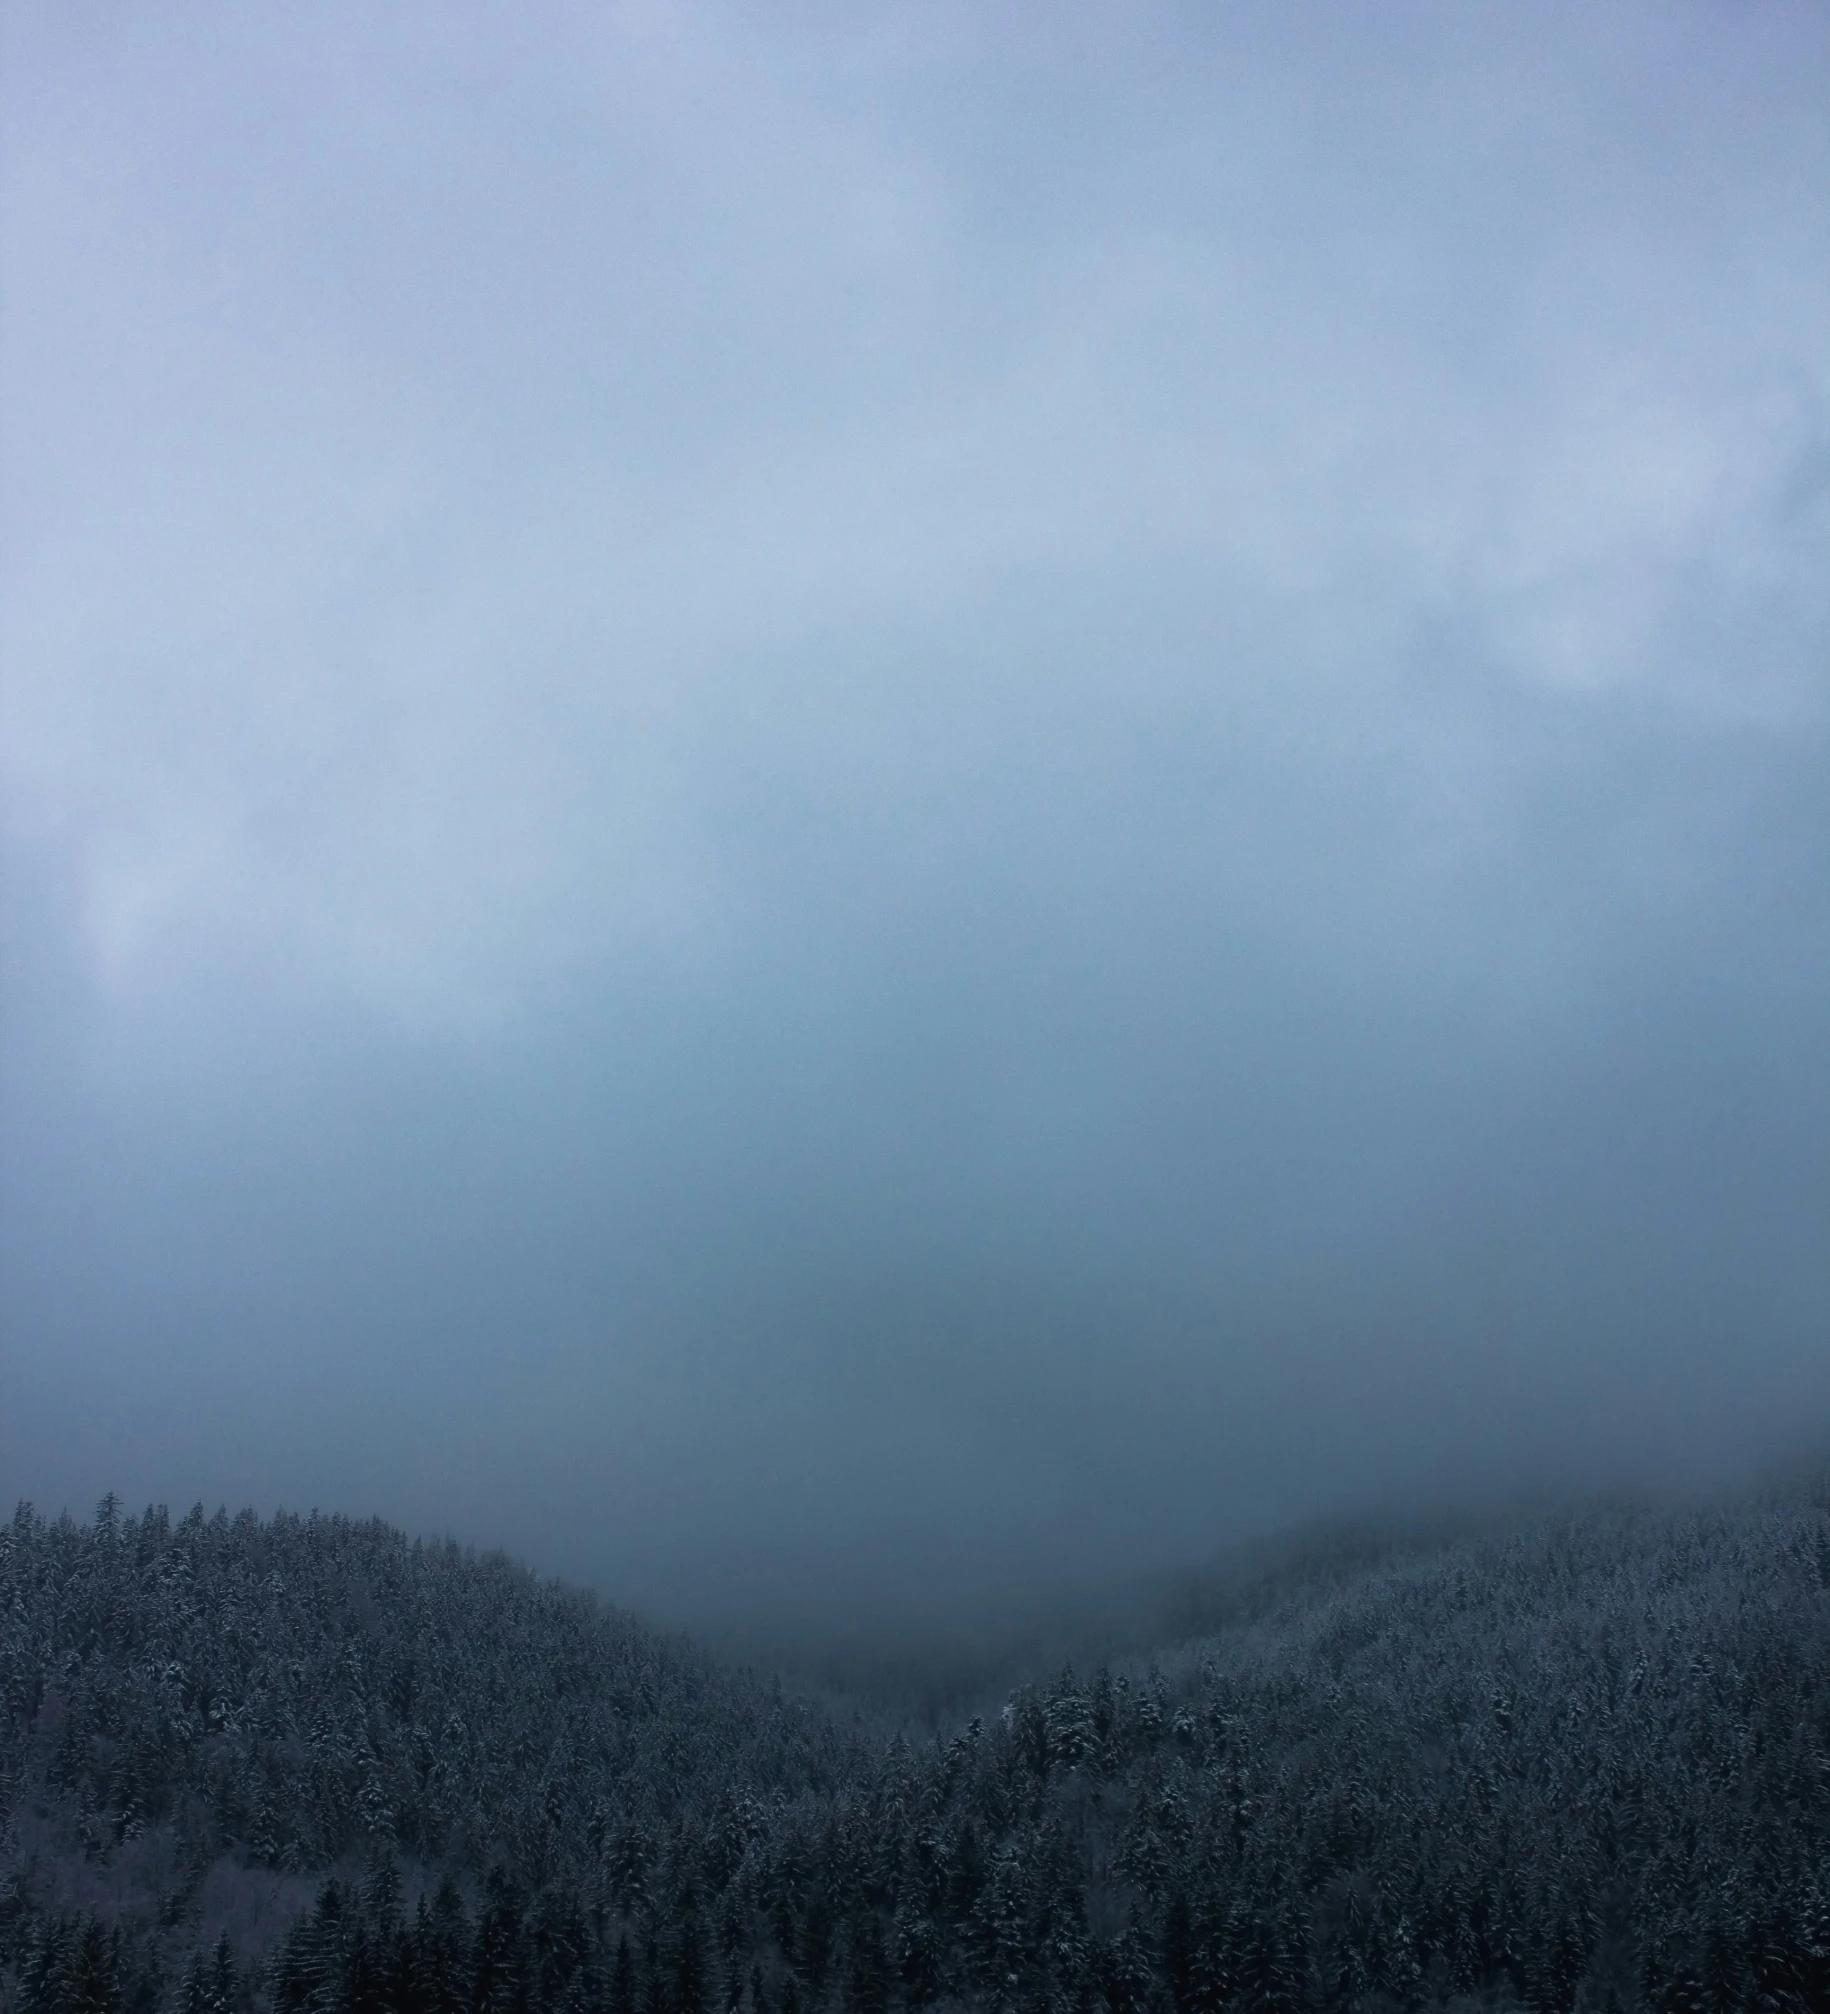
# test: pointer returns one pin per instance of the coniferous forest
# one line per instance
(312, 1766)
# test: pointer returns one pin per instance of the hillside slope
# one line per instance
(308, 1764)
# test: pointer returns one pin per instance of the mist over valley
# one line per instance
(874, 871)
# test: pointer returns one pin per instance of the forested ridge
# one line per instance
(309, 1764)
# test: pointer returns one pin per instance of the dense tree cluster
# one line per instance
(1585, 1766)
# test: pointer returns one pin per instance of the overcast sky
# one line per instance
(843, 812)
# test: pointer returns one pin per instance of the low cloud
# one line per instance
(860, 813)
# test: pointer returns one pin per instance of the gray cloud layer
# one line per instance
(845, 811)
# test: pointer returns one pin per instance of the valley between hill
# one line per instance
(312, 1764)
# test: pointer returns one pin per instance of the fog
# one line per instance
(859, 816)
